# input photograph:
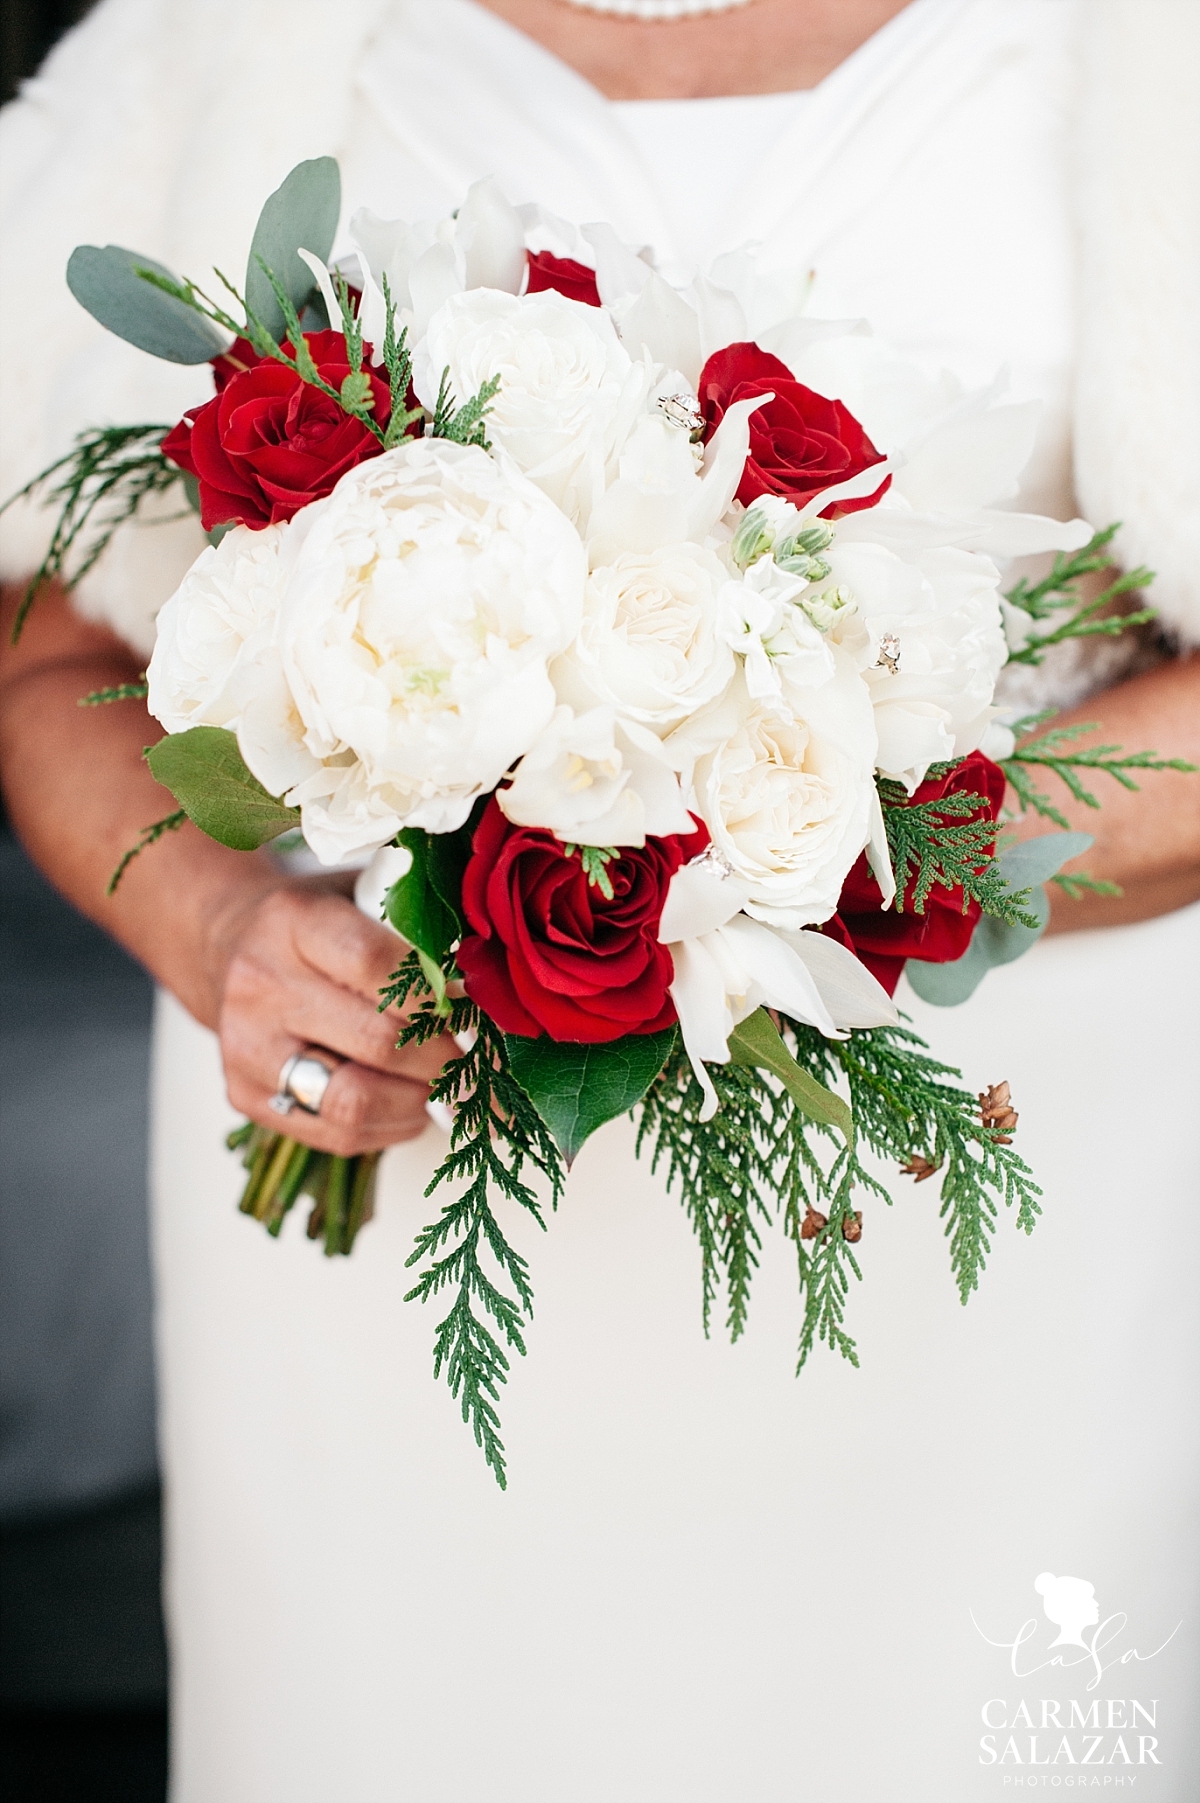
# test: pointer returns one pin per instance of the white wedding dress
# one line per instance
(710, 1581)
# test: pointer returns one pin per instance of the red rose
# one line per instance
(550, 951)
(268, 443)
(881, 939)
(575, 280)
(800, 442)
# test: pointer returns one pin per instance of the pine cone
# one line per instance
(919, 1167)
(997, 1112)
(852, 1227)
(812, 1224)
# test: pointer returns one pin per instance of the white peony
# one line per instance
(213, 630)
(935, 616)
(595, 780)
(653, 644)
(569, 395)
(428, 595)
(786, 788)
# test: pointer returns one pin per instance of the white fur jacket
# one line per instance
(97, 150)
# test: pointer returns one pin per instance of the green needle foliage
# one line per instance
(123, 691)
(1056, 751)
(465, 424)
(496, 1133)
(948, 844)
(757, 1161)
(150, 835)
(1057, 592)
(100, 484)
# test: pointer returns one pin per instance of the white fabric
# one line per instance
(707, 1580)
(702, 154)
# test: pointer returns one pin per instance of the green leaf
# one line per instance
(106, 282)
(756, 1041)
(576, 1088)
(414, 904)
(302, 214)
(204, 771)
(1025, 867)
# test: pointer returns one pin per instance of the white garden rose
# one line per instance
(429, 592)
(569, 391)
(214, 628)
(653, 642)
(786, 788)
(935, 616)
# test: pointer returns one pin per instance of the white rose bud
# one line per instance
(652, 643)
(934, 621)
(570, 394)
(786, 787)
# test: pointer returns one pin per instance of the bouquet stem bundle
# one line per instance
(281, 1170)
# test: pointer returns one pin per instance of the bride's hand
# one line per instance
(302, 967)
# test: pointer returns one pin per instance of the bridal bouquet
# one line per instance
(642, 645)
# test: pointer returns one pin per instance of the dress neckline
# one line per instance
(885, 35)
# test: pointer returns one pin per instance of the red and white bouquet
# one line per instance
(642, 645)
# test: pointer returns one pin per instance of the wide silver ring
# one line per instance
(303, 1082)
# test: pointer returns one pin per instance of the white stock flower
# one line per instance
(569, 395)
(592, 779)
(786, 788)
(769, 623)
(651, 644)
(429, 593)
(213, 629)
(936, 616)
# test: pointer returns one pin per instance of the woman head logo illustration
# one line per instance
(1070, 1603)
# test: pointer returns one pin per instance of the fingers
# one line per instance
(361, 1111)
(306, 971)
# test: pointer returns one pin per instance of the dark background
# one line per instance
(82, 1652)
(27, 30)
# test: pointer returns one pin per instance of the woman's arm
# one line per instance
(271, 963)
(1147, 840)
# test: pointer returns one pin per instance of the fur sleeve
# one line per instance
(1138, 394)
(149, 126)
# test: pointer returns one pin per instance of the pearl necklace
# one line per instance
(658, 9)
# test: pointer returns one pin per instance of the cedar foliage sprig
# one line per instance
(102, 482)
(757, 1160)
(465, 424)
(1056, 591)
(149, 835)
(724, 1169)
(1056, 752)
(496, 1133)
(950, 844)
(121, 691)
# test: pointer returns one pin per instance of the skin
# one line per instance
(273, 963)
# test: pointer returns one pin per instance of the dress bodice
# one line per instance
(955, 242)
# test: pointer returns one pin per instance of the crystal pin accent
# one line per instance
(889, 654)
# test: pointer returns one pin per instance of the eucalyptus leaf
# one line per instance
(1025, 866)
(205, 772)
(1037, 860)
(302, 214)
(106, 282)
(756, 1041)
(577, 1088)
